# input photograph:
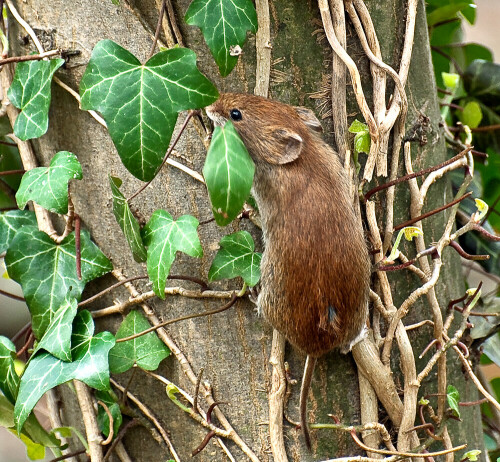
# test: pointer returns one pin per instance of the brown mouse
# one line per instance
(315, 266)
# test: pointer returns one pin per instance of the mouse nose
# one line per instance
(215, 116)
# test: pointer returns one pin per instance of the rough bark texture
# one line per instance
(233, 346)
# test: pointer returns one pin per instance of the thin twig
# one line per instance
(149, 415)
(456, 246)
(158, 28)
(432, 212)
(13, 296)
(404, 454)
(111, 423)
(224, 307)
(19, 59)
(425, 171)
(197, 390)
(119, 437)
(109, 289)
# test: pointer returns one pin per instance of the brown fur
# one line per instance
(315, 254)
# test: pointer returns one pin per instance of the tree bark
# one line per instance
(233, 347)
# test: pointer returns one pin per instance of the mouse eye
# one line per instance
(235, 114)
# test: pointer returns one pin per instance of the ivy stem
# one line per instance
(119, 437)
(14, 296)
(182, 318)
(425, 171)
(464, 254)
(204, 286)
(78, 248)
(432, 212)
(39, 57)
(12, 172)
(67, 456)
(170, 149)
(158, 29)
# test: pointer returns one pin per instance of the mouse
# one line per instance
(315, 267)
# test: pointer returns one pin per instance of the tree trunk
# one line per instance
(233, 347)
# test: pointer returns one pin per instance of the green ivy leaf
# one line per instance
(451, 80)
(147, 351)
(228, 173)
(30, 92)
(453, 398)
(446, 12)
(224, 24)
(362, 138)
(6, 412)
(57, 338)
(471, 115)
(482, 80)
(90, 365)
(128, 223)
(32, 429)
(358, 127)
(9, 380)
(236, 257)
(34, 451)
(491, 346)
(11, 222)
(102, 416)
(47, 271)
(471, 455)
(140, 102)
(164, 237)
(48, 186)
(9, 160)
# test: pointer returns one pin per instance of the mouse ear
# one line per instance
(309, 118)
(290, 143)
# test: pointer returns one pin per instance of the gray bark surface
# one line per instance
(233, 347)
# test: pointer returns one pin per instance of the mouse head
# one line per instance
(273, 132)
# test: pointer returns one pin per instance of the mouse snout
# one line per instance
(215, 116)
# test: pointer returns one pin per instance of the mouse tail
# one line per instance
(304, 391)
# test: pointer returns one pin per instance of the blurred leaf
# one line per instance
(9, 380)
(34, 451)
(89, 364)
(10, 160)
(140, 102)
(492, 348)
(475, 51)
(224, 24)
(490, 176)
(446, 12)
(484, 326)
(236, 257)
(471, 115)
(446, 34)
(228, 172)
(450, 80)
(164, 236)
(146, 351)
(48, 186)
(482, 80)
(127, 221)
(453, 398)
